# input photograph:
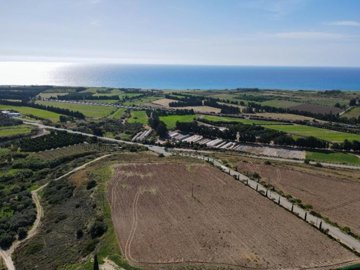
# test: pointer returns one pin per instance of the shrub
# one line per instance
(79, 234)
(6, 240)
(267, 162)
(91, 184)
(22, 233)
(97, 229)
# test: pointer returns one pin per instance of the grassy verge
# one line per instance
(108, 246)
(333, 157)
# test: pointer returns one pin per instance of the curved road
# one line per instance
(6, 254)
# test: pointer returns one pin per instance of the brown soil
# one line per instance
(180, 214)
(337, 198)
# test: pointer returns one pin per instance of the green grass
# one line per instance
(170, 120)
(239, 120)
(117, 114)
(354, 112)
(333, 157)
(91, 111)
(138, 117)
(54, 117)
(320, 133)
(14, 130)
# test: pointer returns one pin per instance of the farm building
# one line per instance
(11, 114)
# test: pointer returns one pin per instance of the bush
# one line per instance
(6, 240)
(97, 229)
(90, 247)
(22, 233)
(79, 234)
(267, 162)
(91, 184)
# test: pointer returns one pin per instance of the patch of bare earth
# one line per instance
(168, 214)
(334, 197)
(164, 102)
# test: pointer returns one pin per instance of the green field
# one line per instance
(333, 157)
(138, 117)
(321, 133)
(117, 114)
(240, 120)
(14, 130)
(170, 120)
(91, 111)
(54, 117)
(353, 113)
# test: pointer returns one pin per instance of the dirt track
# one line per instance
(333, 197)
(182, 214)
(7, 254)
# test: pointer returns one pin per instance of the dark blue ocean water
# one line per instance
(190, 77)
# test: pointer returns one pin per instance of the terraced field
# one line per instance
(192, 215)
(14, 130)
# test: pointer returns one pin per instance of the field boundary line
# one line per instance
(319, 223)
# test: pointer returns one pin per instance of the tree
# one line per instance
(98, 229)
(22, 233)
(161, 130)
(96, 263)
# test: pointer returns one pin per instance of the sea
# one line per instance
(179, 76)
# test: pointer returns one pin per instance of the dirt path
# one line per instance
(7, 254)
(133, 227)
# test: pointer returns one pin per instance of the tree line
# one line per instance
(184, 100)
(249, 133)
(53, 140)
(21, 92)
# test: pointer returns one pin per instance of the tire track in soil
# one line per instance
(133, 227)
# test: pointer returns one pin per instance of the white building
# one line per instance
(11, 114)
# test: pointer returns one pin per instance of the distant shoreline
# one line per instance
(166, 77)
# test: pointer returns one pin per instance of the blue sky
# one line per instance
(223, 32)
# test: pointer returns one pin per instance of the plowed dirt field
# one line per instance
(171, 214)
